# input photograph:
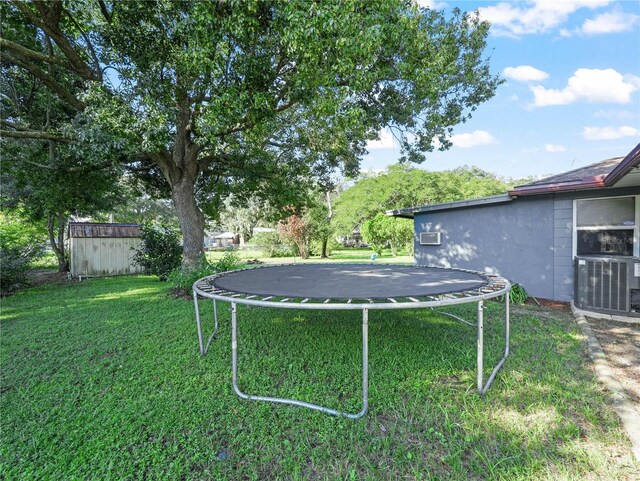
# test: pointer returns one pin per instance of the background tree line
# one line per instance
(196, 102)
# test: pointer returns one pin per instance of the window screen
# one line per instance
(615, 242)
(606, 212)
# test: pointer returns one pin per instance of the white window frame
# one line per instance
(635, 228)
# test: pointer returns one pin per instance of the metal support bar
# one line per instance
(295, 402)
(480, 353)
(204, 348)
(457, 318)
(483, 387)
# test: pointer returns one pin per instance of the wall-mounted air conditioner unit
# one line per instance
(430, 239)
(610, 284)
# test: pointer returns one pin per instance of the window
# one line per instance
(607, 226)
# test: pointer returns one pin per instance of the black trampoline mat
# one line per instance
(348, 281)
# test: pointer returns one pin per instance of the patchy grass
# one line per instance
(353, 254)
(102, 380)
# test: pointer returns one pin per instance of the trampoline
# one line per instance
(361, 287)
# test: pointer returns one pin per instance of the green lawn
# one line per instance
(101, 379)
(339, 255)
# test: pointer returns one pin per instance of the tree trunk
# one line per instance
(57, 245)
(191, 222)
(325, 241)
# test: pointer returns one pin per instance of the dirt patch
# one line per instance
(621, 344)
(180, 293)
(548, 303)
(39, 277)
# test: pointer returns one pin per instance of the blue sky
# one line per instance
(571, 96)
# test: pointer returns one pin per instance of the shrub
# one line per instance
(295, 229)
(316, 246)
(518, 294)
(14, 264)
(229, 261)
(160, 252)
(184, 279)
(272, 245)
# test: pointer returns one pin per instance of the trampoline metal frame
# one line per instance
(497, 286)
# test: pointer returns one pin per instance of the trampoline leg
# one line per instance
(365, 364)
(295, 402)
(482, 388)
(480, 344)
(204, 348)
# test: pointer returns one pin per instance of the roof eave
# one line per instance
(458, 204)
(624, 167)
(587, 184)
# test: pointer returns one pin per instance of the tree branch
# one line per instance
(14, 126)
(47, 20)
(33, 135)
(47, 80)
(79, 169)
(244, 124)
(97, 70)
(105, 11)
(24, 52)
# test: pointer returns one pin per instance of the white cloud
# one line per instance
(471, 139)
(525, 73)
(554, 148)
(590, 85)
(538, 16)
(609, 133)
(610, 22)
(386, 141)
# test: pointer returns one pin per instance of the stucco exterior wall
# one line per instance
(528, 240)
(562, 249)
(514, 240)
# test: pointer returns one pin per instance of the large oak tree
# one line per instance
(249, 96)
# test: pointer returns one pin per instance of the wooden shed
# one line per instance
(103, 249)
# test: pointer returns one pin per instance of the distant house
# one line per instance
(102, 249)
(572, 236)
(226, 239)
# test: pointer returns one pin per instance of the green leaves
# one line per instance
(236, 96)
(382, 231)
(160, 252)
(403, 186)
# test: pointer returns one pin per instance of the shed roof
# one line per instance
(92, 229)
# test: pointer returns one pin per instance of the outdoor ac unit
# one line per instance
(430, 238)
(607, 284)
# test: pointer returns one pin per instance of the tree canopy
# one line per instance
(404, 186)
(383, 230)
(206, 98)
(44, 179)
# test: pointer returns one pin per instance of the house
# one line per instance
(226, 239)
(103, 249)
(569, 237)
